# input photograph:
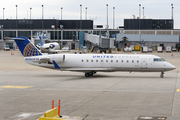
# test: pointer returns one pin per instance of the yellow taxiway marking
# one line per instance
(1, 89)
(13, 86)
(20, 59)
(178, 90)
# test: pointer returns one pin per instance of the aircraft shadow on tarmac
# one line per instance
(76, 77)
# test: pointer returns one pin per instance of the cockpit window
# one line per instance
(158, 59)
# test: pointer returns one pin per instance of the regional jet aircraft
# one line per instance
(49, 47)
(92, 63)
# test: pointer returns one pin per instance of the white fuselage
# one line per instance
(46, 47)
(104, 62)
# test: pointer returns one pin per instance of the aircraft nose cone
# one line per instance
(173, 67)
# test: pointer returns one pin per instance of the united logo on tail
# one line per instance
(26, 47)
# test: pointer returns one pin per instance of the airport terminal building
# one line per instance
(64, 31)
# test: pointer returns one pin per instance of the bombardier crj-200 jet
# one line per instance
(92, 63)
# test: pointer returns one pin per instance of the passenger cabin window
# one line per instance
(116, 60)
(137, 61)
(127, 61)
(122, 61)
(96, 60)
(132, 61)
(91, 60)
(106, 60)
(111, 60)
(158, 59)
(101, 60)
(87, 60)
(81, 60)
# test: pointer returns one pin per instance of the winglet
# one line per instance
(56, 65)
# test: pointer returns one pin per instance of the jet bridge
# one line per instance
(100, 41)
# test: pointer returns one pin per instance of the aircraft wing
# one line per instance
(45, 47)
(59, 50)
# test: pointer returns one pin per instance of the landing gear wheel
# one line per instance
(162, 75)
(87, 74)
(90, 74)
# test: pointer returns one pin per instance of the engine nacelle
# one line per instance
(51, 46)
(58, 58)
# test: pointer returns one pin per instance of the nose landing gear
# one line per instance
(162, 74)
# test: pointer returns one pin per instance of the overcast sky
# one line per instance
(96, 10)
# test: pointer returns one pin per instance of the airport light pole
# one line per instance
(42, 15)
(16, 11)
(113, 17)
(139, 11)
(30, 12)
(172, 11)
(61, 12)
(107, 16)
(86, 13)
(172, 16)
(16, 19)
(3, 12)
(139, 20)
(80, 16)
(139, 14)
(143, 12)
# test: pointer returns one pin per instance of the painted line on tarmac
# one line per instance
(18, 87)
(178, 90)
(20, 59)
(1, 89)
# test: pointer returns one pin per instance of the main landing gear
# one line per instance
(89, 74)
(162, 74)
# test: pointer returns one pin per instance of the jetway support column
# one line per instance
(31, 34)
(16, 33)
(61, 38)
(81, 39)
(2, 34)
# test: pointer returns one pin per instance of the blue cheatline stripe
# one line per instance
(56, 65)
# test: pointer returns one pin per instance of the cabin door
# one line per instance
(144, 63)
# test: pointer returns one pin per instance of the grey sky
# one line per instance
(155, 9)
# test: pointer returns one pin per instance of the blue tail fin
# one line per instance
(40, 37)
(26, 47)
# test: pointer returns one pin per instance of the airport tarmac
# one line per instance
(26, 92)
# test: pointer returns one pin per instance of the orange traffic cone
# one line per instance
(172, 54)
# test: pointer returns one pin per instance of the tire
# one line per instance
(162, 76)
(87, 75)
(91, 74)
